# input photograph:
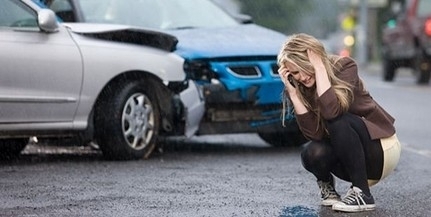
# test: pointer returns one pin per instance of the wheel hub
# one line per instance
(138, 121)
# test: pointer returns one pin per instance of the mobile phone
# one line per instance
(290, 79)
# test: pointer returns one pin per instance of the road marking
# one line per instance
(426, 153)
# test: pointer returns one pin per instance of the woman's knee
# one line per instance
(315, 153)
(338, 124)
(345, 124)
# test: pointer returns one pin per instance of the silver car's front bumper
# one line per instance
(194, 108)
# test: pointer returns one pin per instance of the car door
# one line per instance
(40, 72)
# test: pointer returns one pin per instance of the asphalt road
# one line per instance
(226, 175)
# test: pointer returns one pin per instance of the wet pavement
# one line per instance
(235, 175)
(226, 175)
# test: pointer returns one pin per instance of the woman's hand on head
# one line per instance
(315, 60)
(320, 74)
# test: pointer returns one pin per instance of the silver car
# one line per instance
(118, 86)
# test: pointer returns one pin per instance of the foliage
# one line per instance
(289, 16)
(276, 14)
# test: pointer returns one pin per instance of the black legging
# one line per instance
(349, 153)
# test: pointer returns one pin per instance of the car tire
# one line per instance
(389, 68)
(127, 121)
(422, 68)
(283, 139)
(11, 148)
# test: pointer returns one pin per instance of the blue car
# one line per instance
(230, 57)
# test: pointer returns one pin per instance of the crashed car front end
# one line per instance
(237, 68)
(242, 95)
(181, 102)
(232, 60)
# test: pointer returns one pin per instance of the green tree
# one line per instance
(315, 17)
(276, 14)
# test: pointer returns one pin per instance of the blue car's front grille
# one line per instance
(255, 81)
(274, 68)
(245, 71)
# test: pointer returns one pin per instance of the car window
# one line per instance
(14, 14)
(62, 9)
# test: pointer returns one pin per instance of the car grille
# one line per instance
(274, 68)
(245, 71)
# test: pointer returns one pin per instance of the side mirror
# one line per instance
(47, 20)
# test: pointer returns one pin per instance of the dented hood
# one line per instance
(243, 40)
(126, 34)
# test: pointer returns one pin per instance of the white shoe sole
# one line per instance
(345, 208)
(329, 202)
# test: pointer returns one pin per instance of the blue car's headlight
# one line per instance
(199, 70)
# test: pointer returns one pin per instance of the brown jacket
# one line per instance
(379, 123)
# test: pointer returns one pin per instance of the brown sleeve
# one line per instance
(307, 123)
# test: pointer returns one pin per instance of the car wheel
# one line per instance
(127, 121)
(389, 68)
(11, 148)
(422, 68)
(283, 139)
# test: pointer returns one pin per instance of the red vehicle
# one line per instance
(407, 41)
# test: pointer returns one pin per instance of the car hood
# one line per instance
(127, 34)
(243, 40)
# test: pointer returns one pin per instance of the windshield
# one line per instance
(160, 14)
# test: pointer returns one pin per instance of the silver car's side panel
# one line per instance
(41, 76)
(122, 58)
(166, 65)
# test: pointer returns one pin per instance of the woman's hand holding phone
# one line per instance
(290, 79)
(287, 79)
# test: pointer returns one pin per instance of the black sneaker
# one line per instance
(329, 195)
(355, 201)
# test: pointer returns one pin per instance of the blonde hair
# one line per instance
(294, 51)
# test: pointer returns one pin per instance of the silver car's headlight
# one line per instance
(199, 71)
